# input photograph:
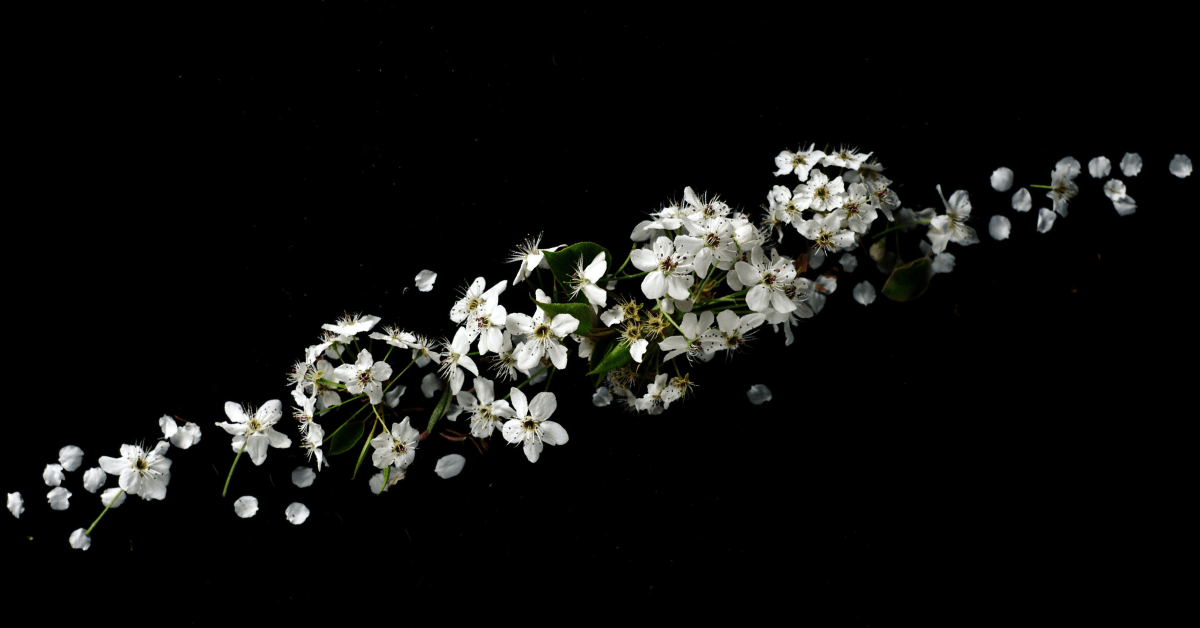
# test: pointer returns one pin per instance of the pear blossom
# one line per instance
(365, 375)
(584, 280)
(296, 513)
(907, 215)
(397, 448)
(113, 497)
(857, 212)
(732, 331)
(16, 505)
(767, 282)
(140, 472)
(884, 198)
(474, 297)
(1125, 205)
(80, 539)
(1002, 179)
(449, 466)
(303, 477)
(658, 396)
(395, 337)
(692, 327)
(602, 397)
(799, 162)
(827, 234)
(544, 337)
(868, 171)
(252, 429)
(423, 352)
(952, 226)
(53, 474)
(351, 324)
(455, 357)
(1045, 220)
(1022, 201)
(431, 384)
(424, 280)
(1062, 189)
(1099, 167)
(823, 194)
(1131, 164)
(246, 506)
(531, 425)
(1181, 166)
(787, 204)
(864, 293)
(758, 394)
(93, 479)
(848, 158)
(313, 439)
(70, 457)
(999, 227)
(668, 270)
(486, 411)
(59, 498)
(531, 258)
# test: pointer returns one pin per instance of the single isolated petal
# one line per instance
(16, 505)
(425, 280)
(449, 466)
(1045, 220)
(999, 226)
(1022, 201)
(297, 513)
(1181, 166)
(112, 498)
(759, 394)
(1002, 179)
(58, 498)
(80, 540)
(303, 477)
(1099, 167)
(1125, 205)
(430, 384)
(53, 475)
(93, 479)
(1131, 164)
(186, 436)
(246, 506)
(602, 397)
(70, 457)
(168, 426)
(864, 293)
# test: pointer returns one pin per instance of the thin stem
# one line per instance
(630, 276)
(549, 378)
(389, 352)
(673, 324)
(891, 229)
(1044, 187)
(376, 411)
(114, 500)
(234, 466)
(700, 286)
(396, 378)
(322, 380)
(522, 384)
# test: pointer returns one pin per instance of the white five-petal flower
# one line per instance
(531, 424)
(365, 375)
(140, 472)
(397, 448)
(253, 430)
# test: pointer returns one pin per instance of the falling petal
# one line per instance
(1099, 167)
(1022, 202)
(297, 513)
(303, 477)
(999, 226)
(1181, 166)
(1131, 164)
(1002, 179)
(449, 466)
(864, 293)
(758, 394)
(1045, 220)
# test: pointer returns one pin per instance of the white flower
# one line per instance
(669, 271)
(544, 337)
(856, 211)
(799, 162)
(113, 497)
(314, 436)
(486, 411)
(1125, 205)
(823, 194)
(80, 539)
(1002, 179)
(1131, 164)
(456, 356)
(246, 506)
(1022, 201)
(296, 513)
(70, 457)
(1062, 189)
(530, 424)
(1045, 220)
(397, 448)
(1099, 167)
(584, 280)
(602, 397)
(140, 472)
(692, 327)
(425, 279)
(826, 233)
(848, 158)
(999, 227)
(1181, 166)
(449, 466)
(16, 505)
(864, 293)
(423, 352)
(352, 324)
(303, 477)
(758, 394)
(767, 283)
(53, 475)
(531, 257)
(93, 479)
(952, 226)
(58, 498)
(471, 303)
(365, 375)
(181, 437)
(254, 429)
(732, 331)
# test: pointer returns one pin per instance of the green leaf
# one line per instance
(363, 454)
(617, 356)
(345, 438)
(908, 281)
(440, 410)
(386, 472)
(563, 262)
(581, 311)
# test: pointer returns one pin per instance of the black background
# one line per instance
(203, 189)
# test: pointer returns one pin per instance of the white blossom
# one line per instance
(473, 299)
(486, 411)
(544, 338)
(1131, 164)
(800, 162)
(822, 193)
(253, 429)
(181, 437)
(1002, 179)
(365, 375)
(848, 158)
(531, 425)
(952, 226)
(1099, 167)
(58, 498)
(864, 293)
(449, 466)
(93, 479)
(689, 341)
(246, 506)
(296, 513)
(827, 234)
(669, 271)
(351, 324)
(397, 448)
(732, 331)
(759, 394)
(1181, 166)
(455, 357)
(999, 227)
(80, 540)
(53, 475)
(16, 505)
(425, 279)
(531, 258)
(140, 472)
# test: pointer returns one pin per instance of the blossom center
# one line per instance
(141, 464)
